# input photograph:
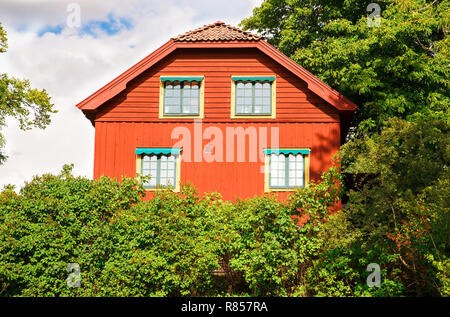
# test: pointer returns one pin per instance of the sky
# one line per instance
(47, 46)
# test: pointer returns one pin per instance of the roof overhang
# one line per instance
(113, 88)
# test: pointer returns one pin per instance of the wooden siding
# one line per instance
(294, 102)
(115, 143)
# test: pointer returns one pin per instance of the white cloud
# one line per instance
(71, 66)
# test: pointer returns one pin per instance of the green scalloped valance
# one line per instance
(286, 151)
(157, 150)
(253, 78)
(181, 78)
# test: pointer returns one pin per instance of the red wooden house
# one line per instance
(221, 109)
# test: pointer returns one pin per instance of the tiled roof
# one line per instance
(218, 31)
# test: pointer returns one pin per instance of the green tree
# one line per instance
(396, 167)
(398, 216)
(399, 68)
(31, 107)
(400, 203)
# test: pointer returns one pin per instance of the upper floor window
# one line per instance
(181, 96)
(253, 96)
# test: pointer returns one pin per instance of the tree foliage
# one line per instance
(399, 68)
(31, 107)
(187, 245)
(400, 203)
(396, 164)
(170, 245)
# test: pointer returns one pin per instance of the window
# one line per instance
(160, 168)
(253, 96)
(286, 169)
(181, 96)
(161, 164)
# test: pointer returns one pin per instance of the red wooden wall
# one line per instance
(131, 120)
(116, 142)
(295, 103)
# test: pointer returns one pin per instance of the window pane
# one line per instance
(277, 170)
(296, 172)
(163, 181)
(166, 173)
(167, 170)
(191, 98)
(240, 89)
(240, 94)
(292, 182)
(168, 91)
(253, 97)
(149, 169)
(246, 109)
(172, 109)
(266, 87)
(181, 97)
(293, 177)
(186, 105)
(171, 97)
(172, 101)
(176, 88)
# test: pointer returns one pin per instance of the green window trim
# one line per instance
(181, 78)
(157, 150)
(253, 80)
(287, 151)
(158, 171)
(286, 171)
(167, 80)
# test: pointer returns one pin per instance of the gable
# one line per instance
(212, 37)
(140, 100)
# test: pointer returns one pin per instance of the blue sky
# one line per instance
(111, 25)
(72, 63)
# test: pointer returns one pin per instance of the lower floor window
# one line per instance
(162, 165)
(161, 168)
(287, 169)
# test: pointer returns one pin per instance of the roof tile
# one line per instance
(218, 31)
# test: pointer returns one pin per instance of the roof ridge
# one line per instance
(217, 31)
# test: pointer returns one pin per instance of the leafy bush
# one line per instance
(165, 247)
(171, 245)
(54, 221)
(187, 245)
(399, 203)
(125, 247)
